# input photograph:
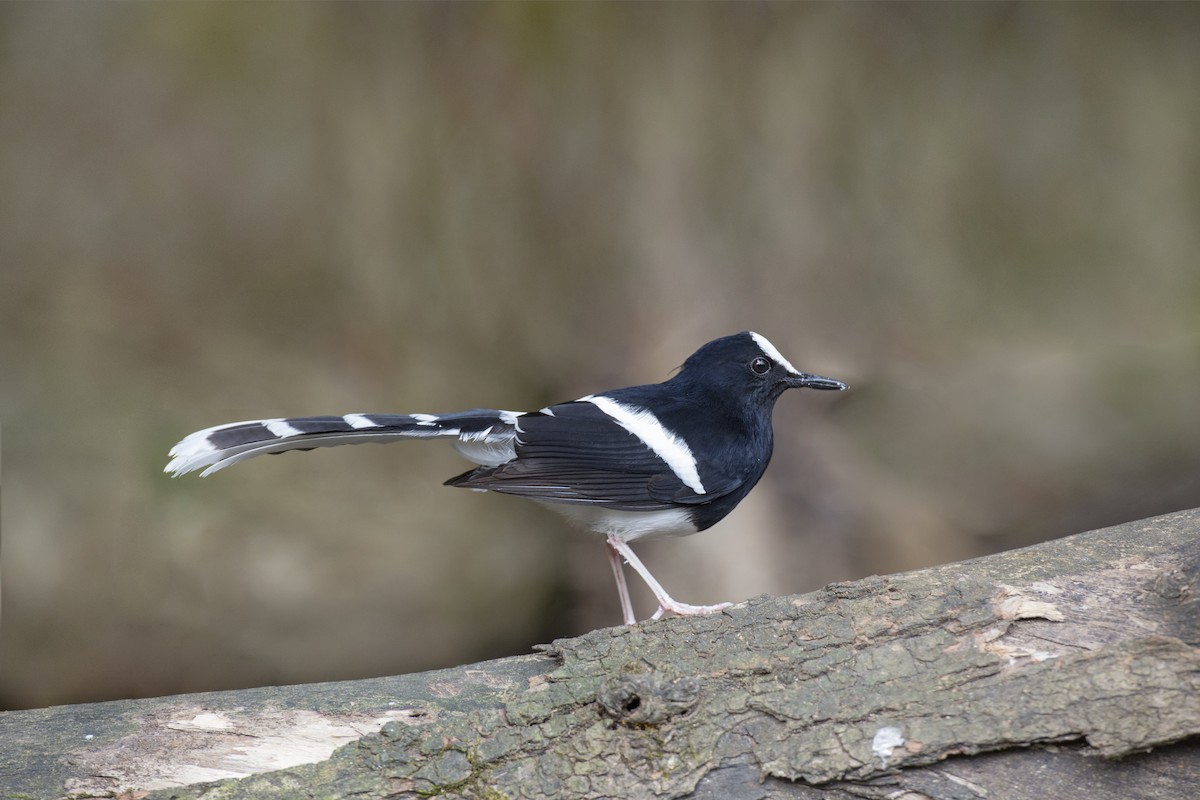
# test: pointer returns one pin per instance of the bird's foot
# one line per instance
(670, 606)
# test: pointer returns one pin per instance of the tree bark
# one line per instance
(1064, 670)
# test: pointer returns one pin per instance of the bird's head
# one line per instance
(748, 366)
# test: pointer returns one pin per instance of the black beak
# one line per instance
(803, 380)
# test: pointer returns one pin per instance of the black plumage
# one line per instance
(658, 459)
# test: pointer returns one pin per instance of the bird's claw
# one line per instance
(685, 610)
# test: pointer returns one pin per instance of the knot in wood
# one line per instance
(1173, 584)
(648, 699)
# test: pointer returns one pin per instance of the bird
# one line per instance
(663, 459)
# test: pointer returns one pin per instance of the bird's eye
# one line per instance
(760, 366)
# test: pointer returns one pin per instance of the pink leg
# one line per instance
(665, 603)
(622, 587)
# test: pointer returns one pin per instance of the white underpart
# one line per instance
(771, 352)
(665, 444)
(629, 526)
(280, 428)
(359, 421)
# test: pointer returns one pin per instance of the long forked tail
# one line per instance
(484, 436)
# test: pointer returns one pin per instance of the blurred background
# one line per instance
(985, 218)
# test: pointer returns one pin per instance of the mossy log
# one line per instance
(1064, 670)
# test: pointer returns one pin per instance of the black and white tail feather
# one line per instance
(484, 436)
(662, 459)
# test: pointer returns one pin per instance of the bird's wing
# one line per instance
(592, 453)
(484, 436)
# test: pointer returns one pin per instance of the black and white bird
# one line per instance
(664, 459)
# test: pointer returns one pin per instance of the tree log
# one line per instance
(1064, 670)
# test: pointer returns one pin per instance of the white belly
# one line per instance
(629, 525)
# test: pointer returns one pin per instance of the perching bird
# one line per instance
(664, 459)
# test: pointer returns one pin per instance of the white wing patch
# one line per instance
(665, 444)
(772, 352)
